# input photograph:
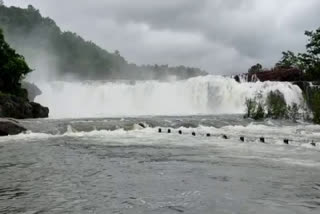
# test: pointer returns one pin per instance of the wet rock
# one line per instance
(142, 125)
(237, 78)
(10, 127)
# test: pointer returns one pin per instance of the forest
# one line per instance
(42, 42)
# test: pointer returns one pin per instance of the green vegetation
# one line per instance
(275, 107)
(255, 68)
(13, 98)
(13, 69)
(294, 67)
(308, 62)
(312, 97)
(259, 113)
(315, 107)
(40, 39)
(250, 108)
(254, 109)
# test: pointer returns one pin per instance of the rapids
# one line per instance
(114, 165)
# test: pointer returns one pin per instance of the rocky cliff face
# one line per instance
(21, 108)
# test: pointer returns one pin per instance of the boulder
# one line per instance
(10, 127)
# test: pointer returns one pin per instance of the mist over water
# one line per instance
(200, 95)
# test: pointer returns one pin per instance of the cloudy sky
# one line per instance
(220, 36)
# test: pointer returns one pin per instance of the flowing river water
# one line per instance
(114, 165)
(99, 162)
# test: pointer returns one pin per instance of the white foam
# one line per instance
(201, 95)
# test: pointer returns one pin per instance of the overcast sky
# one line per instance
(220, 36)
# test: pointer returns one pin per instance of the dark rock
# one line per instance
(180, 132)
(242, 139)
(286, 141)
(21, 108)
(169, 131)
(10, 127)
(159, 130)
(276, 74)
(225, 137)
(142, 125)
(193, 134)
(303, 85)
(262, 140)
(33, 90)
(237, 78)
(38, 111)
(313, 144)
(208, 135)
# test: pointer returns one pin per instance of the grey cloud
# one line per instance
(221, 36)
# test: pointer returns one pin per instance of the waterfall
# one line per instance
(200, 95)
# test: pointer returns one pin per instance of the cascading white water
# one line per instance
(201, 95)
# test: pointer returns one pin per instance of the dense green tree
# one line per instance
(13, 69)
(288, 60)
(255, 68)
(308, 62)
(311, 59)
(259, 114)
(276, 105)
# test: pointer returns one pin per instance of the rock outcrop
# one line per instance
(21, 108)
(276, 74)
(32, 89)
(10, 127)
